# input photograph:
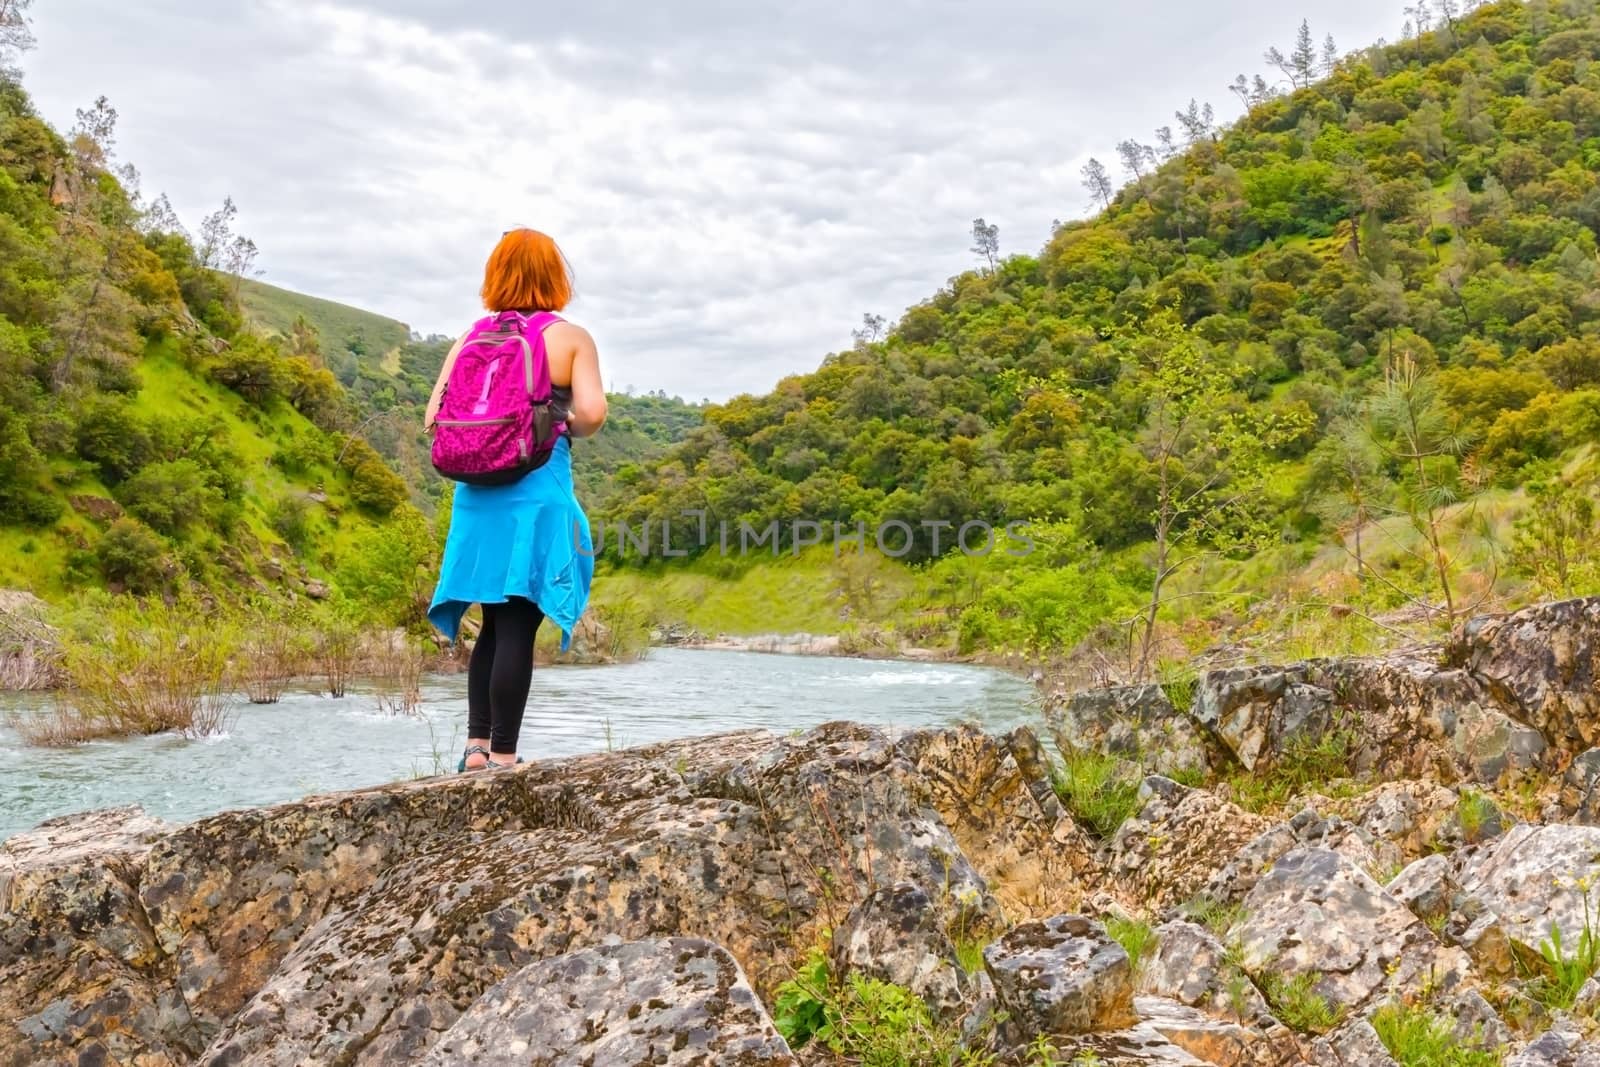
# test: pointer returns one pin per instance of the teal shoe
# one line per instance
(472, 750)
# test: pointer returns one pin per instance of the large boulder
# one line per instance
(1355, 1044)
(359, 927)
(80, 967)
(1317, 914)
(1258, 711)
(895, 936)
(1190, 966)
(1527, 883)
(1545, 660)
(675, 1002)
(1401, 713)
(1177, 842)
(1061, 976)
(1137, 723)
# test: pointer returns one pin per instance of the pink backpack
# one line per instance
(495, 422)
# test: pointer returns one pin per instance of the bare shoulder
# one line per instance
(570, 336)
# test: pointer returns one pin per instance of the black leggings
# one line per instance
(500, 672)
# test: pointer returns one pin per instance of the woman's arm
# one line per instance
(438, 386)
(588, 392)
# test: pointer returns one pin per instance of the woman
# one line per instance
(520, 550)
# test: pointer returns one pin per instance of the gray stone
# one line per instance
(1190, 966)
(1316, 913)
(1061, 976)
(1546, 659)
(1408, 814)
(1557, 1048)
(1176, 843)
(895, 936)
(1478, 1025)
(1532, 880)
(1427, 887)
(676, 1001)
(1580, 788)
(1137, 723)
(1210, 1039)
(1355, 1044)
(1255, 711)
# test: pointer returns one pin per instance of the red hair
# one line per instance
(526, 272)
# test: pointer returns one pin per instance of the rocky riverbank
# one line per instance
(1435, 889)
(873, 645)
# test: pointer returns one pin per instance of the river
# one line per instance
(308, 743)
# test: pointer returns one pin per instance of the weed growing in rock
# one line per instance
(1215, 916)
(866, 1021)
(1417, 1037)
(1565, 975)
(1474, 811)
(1178, 682)
(1298, 1005)
(1097, 791)
(1304, 763)
(1134, 935)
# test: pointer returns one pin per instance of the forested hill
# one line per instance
(1371, 300)
(149, 441)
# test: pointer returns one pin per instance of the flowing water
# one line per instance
(309, 743)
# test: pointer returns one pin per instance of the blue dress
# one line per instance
(527, 539)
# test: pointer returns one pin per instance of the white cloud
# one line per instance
(735, 184)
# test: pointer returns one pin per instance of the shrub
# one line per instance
(133, 556)
(114, 439)
(145, 669)
(253, 369)
(291, 520)
(866, 1021)
(376, 488)
(387, 570)
(170, 496)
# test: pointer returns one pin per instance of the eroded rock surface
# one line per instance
(676, 1002)
(1137, 723)
(1061, 976)
(361, 927)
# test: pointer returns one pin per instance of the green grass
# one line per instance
(1215, 916)
(274, 310)
(741, 597)
(1474, 811)
(1298, 1006)
(1136, 936)
(1302, 764)
(1094, 790)
(1417, 1037)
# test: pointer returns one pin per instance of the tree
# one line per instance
(1555, 539)
(94, 136)
(16, 36)
(1330, 56)
(216, 234)
(1097, 180)
(1199, 122)
(870, 330)
(160, 218)
(1206, 457)
(1251, 91)
(239, 261)
(1136, 159)
(1418, 434)
(1300, 65)
(986, 242)
(1347, 483)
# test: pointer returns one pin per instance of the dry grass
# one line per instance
(397, 665)
(271, 653)
(153, 669)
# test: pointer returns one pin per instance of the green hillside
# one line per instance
(150, 441)
(1339, 360)
(339, 327)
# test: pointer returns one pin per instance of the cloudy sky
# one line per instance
(735, 181)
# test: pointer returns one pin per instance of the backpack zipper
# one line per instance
(473, 422)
